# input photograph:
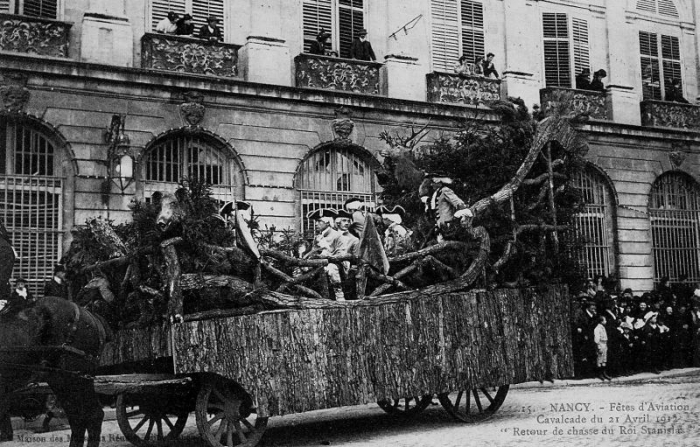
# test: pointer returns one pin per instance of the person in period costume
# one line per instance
(185, 27)
(328, 243)
(361, 48)
(320, 46)
(583, 80)
(349, 244)
(445, 206)
(356, 207)
(211, 30)
(397, 239)
(168, 25)
(57, 285)
(600, 338)
(597, 82)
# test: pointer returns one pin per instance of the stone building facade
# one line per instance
(266, 122)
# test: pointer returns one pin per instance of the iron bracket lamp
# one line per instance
(120, 159)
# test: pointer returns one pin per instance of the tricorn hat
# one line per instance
(321, 213)
(386, 209)
(440, 176)
(344, 214)
(353, 203)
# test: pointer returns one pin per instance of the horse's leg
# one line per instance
(94, 415)
(6, 433)
(69, 398)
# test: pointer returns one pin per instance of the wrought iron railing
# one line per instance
(670, 114)
(334, 73)
(34, 35)
(189, 55)
(458, 89)
(581, 101)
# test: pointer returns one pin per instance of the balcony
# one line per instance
(578, 101)
(333, 73)
(32, 35)
(455, 89)
(189, 55)
(670, 114)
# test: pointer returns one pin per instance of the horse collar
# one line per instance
(73, 326)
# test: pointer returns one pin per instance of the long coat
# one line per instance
(362, 50)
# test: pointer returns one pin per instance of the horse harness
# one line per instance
(73, 328)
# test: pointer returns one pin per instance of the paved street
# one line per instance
(643, 410)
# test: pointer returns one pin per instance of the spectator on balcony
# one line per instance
(464, 68)
(321, 46)
(361, 48)
(168, 25)
(675, 92)
(211, 30)
(583, 80)
(489, 68)
(185, 27)
(479, 66)
(597, 82)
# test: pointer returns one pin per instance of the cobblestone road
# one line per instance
(644, 410)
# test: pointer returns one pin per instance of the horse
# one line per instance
(58, 342)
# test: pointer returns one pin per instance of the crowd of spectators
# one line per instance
(183, 26)
(482, 66)
(618, 334)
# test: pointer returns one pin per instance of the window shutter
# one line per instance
(202, 9)
(472, 29)
(350, 23)
(667, 8)
(445, 33)
(316, 15)
(646, 5)
(651, 75)
(670, 48)
(160, 9)
(5, 6)
(579, 29)
(648, 45)
(40, 8)
(557, 56)
(671, 54)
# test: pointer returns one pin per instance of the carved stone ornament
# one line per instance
(13, 92)
(332, 73)
(41, 37)
(677, 158)
(189, 55)
(192, 110)
(342, 124)
(455, 89)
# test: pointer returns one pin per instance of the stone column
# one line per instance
(106, 34)
(521, 73)
(265, 56)
(623, 99)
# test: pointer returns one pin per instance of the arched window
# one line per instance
(191, 156)
(674, 210)
(329, 176)
(31, 198)
(596, 224)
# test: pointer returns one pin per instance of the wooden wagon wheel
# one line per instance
(147, 421)
(407, 406)
(226, 416)
(485, 403)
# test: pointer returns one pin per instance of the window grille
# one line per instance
(675, 212)
(343, 19)
(200, 10)
(661, 7)
(31, 201)
(595, 224)
(658, 73)
(172, 160)
(327, 178)
(457, 29)
(566, 48)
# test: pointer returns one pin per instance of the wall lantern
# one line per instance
(120, 161)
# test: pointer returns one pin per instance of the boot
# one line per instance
(338, 292)
(600, 374)
(606, 376)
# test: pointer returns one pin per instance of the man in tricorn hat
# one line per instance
(328, 243)
(361, 48)
(445, 206)
(397, 239)
(356, 207)
(211, 30)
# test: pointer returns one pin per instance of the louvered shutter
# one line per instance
(445, 33)
(472, 29)
(557, 56)
(649, 51)
(160, 9)
(202, 9)
(579, 31)
(350, 23)
(646, 5)
(40, 8)
(5, 6)
(668, 8)
(317, 14)
(671, 54)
